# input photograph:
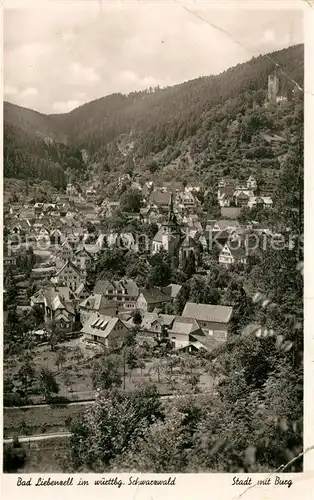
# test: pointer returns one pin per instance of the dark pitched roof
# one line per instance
(172, 290)
(208, 343)
(154, 295)
(188, 242)
(69, 263)
(207, 312)
(185, 326)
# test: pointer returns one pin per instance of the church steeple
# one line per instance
(172, 225)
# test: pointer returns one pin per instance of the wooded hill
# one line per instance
(199, 129)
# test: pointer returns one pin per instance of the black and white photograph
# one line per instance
(153, 239)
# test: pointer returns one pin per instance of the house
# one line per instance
(124, 179)
(62, 198)
(63, 208)
(212, 319)
(231, 255)
(181, 330)
(69, 275)
(56, 237)
(66, 250)
(101, 241)
(82, 292)
(251, 183)
(57, 305)
(241, 198)
(226, 225)
(92, 219)
(91, 191)
(149, 214)
(28, 214)
(260, 201)
(71, 190)
(185, 202)
(226, 196)
(38, 208)
(187, 247)
(110, 331)
(150, 299)
(124, 292)
(157, 324)
(96, 303)
(172, 290)
(83, 259)
(192, 189)
(147, 188)
(160, 199)
(110, 207)
(168, 237)
(9, 261)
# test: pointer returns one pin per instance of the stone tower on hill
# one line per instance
(273, 88)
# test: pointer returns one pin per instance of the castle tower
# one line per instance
(273, 87)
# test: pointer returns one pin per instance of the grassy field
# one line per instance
(75, 381)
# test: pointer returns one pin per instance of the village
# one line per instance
(60, 236)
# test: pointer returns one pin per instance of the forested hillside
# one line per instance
(209, 126)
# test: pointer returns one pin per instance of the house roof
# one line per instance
(172, 290)
(55, 298)
(80, 288)
(184, 326)
(207, 312)
(148, 319)
(92, 249)
(154, 296)
(158, 236)
(166, 319)
(188, 242)
(160, 198)
(100, 325)
(82, 250)
(208, 343)
(69, 263)
(97, 302)
(129, 285)
(227, 224)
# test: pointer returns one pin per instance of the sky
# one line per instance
(59, 55)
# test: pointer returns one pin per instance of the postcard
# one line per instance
(157, 263)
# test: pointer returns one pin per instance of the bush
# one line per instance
(14, 457)
(14, 400)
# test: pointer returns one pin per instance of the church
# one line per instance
(169, 235)
(173, 240)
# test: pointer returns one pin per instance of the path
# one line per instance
(39, 437)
